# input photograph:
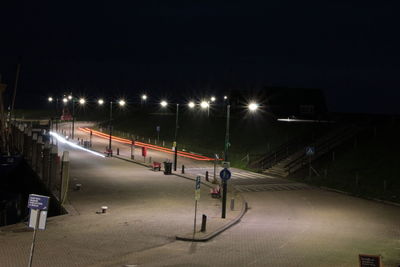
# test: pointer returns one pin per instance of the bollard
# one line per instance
(149, 159)
(204, 223)
(207, 176)
(118, 151)
(183, 169)
(232, 204)
(78, 187)
(104, 209)
(163, 143)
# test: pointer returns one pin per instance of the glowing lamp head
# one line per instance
(50, 99)
(204, 104)
(213, 99)
(69, 97)
(163, 103)
(122, 102)
(100, 101)
(225, 97)
(253, 106)
(144, 97)
(191, 104)
(65, 100)
(82, 101)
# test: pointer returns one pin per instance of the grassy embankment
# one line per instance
(367, 165)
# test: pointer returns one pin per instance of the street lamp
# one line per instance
(82, 101)
(50, 99)
(144, 97)
(253, 106)
(164, 104)
(65, 100)
(205, 105)
(213, 99)
(121, 103)
(191, 104)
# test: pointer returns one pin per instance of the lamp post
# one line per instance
(121, 103)
(176, 134)
(163, 104)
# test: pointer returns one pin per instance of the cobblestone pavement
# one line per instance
(287, 224)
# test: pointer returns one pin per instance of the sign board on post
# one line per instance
(38, 202)
(225, 174)
(310, 150)
(369, 260)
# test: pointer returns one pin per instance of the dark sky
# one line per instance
(350, 49)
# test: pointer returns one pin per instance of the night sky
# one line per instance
(349, 49)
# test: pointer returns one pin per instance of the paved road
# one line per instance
(288, 224)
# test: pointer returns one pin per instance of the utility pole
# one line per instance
(110, 127)
(176, 135)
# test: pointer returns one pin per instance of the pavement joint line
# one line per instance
(208, 184)
(353, 195)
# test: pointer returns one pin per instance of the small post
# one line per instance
(149, 159)
(203, 223)
(357, 179)
(163, 143)
(183, 169)
(117, 151)
(64, 177)
(224, 193)
(207, 176)
(232, 203)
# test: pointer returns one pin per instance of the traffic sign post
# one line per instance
(38, 206)
(196, 198)
(310, 151)
(225, 175)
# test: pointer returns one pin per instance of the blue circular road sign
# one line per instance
(225, 174)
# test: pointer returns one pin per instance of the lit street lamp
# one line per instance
(121, 103)
(164, 104)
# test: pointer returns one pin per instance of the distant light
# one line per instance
(100, 101)
(144, 97)
(253, 106)
(82, 101)
(65, 100)
(213, 99)
(204, 104)
(50, 99)
(70, 97)
(122, 102)
(163, 103)
(225, 97)
(191, 104)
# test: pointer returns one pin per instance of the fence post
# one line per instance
(357, 179)
(33, 149)
(64, 177)
(46, 164)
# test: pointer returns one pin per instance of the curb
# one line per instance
(208, 184)
(219, 230)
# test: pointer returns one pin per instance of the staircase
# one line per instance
(298, 159)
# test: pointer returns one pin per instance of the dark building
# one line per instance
(302, 103)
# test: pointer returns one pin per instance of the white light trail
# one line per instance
(64, 141)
